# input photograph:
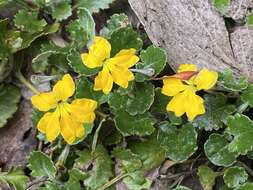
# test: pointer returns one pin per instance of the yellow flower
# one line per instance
(115, 69)
(184, 90)
(67, 119)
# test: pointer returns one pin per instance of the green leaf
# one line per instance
(141, 124)
(41, 165)
(217, 111)
(229, 82)
(75, 62)
(102, 169)
(130, 162)
(94, 6)
(16, 177)
(235, 176)
(181, 188)
(137, 181)
(207, 177)
(221, 5)
(5, 68)
(247, 95)
(117, 101)
(141, 99)
(153, 57)
(249, 19)
(61, 10)
(245, 186)
(75, 176)
(174, 120)
(9, 98)
(115, 22)
(241, 128)
(124, 38)
(29, 22)
(217, 151)
(179, 144)
(82, 29)
(160, 102)
(84, 89)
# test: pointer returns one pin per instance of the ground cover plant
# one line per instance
(108, 111)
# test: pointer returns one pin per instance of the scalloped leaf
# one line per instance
(75, 176)
(41, 165)
(160, 102)
(141, 124)
(249, 19)
(117, 101)
(217, 111)
(229, 82)
(137, 181)
(61, 10)
(75, 62)
(15, 177)
(184, 138)
(235, 176)
(221, 5)
(84, 89)
(153, 57)
(29, 22)
(245, 186)
(94, 6)
(241, 128)
(125, 38)
(115, 22)
(217, 151)
(207, 177)
(247, 95)
(9, 98)
(141, 99)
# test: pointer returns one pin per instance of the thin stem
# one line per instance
(101, 114)
(22, 79)
(114, 180)
(242, 107)
(248, 169)
(95, 138)
(63, 156)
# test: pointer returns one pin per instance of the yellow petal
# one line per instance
(121, 75)
(42, 124)
(68, 127)
(83, 110)
(104, 81)
(187, 67)
(205, 79)
(44, 101)
(125, 58)
(172, 86)
(176, 105)
(194, 105)
(80, 130)
(53, 126)
(98, 52)
(64, 88)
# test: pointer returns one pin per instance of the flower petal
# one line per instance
(83, 110)
(176, 104)
(43, 122)
(187, 67)
(104, 81)
(68, 128)
(125, 58)
(53, 126)
(80, 130)
(64, 88)
(44, 101)
(98, 52)
(172, 86)
(205, 79)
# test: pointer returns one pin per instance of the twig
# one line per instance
(37, 183)
(95, 138)
(22, 79)
(114, 180)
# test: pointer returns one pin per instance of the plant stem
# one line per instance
(114, 180)
(95, 138)
(242, 107)
(101, 114)
(63, 156)
(22, 79)
(248, 169)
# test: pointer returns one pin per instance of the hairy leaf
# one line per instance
(247, 95)
(235, 176)
(207, 177)
(61, 10)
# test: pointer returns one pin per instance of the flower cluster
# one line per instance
(63, 117)
(183, 87)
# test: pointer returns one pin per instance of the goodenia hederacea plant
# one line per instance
(67, 119)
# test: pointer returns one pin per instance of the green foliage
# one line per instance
(217, 111)
(221, 5)
(235, 176)
(181, 188)
(245, 186)
(125, 38)
(94, 6)
(249, 20)
(41, 165)
(9, 98)
(61, 10)
(207, 177)
(247, 95)
(160, 102)
(230, 83)
(151, 58)
(75, 176)
(179, 144)
(15, 177)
